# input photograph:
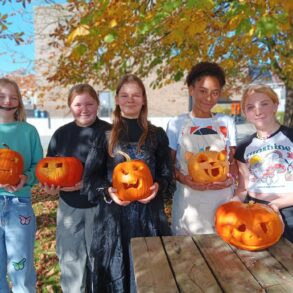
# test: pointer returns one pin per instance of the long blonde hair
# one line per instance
(20, 114)
(118, 124)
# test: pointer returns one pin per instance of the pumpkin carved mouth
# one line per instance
(131, 185)
(6, 171)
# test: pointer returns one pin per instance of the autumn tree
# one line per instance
(106, 39)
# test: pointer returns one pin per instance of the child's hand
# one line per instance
(52, 190)
(77, 186)
(222, 185)
(13, 188)
(154, 188)
(187, 180)
(113, 194)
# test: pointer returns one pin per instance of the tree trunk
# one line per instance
(288, 117)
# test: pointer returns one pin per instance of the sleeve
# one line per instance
(164, 167)
(36, 155)
(95, 182)
(52, 148)
(172, 133)
(239, 152)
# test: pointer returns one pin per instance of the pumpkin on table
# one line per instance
(59, 171)
(207, 166)
(11, 166)
(132, 179)
(248, 226)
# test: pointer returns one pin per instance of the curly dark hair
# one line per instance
(205, 69)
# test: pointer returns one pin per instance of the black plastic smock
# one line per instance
(115, 225)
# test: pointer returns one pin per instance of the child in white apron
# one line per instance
(194, 204)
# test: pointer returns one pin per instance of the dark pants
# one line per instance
(287, 216)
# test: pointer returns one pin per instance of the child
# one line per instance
(265, 159)
(75, 212)
(116, 221)
(194, 204)
(17, 218)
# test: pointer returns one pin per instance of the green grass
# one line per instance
(46, 262)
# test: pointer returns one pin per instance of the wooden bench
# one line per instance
(205, 263)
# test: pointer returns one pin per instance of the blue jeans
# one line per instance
(17, 237)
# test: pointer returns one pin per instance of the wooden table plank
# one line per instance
(152, 271)
(226, 266)
(267, 270)
(191, 271)
(283, 252)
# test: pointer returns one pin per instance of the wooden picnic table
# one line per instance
(205, 263)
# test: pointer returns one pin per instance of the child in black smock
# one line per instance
(75, 213)
(117, 222)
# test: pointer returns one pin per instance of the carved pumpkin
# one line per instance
(132, 179)
(59, 171)
(207, 166)
(251, 226)
(11, 166)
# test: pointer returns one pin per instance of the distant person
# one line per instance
(194, 204)
(17, 218)
(117, 221)
(75, 213)
(265, 158)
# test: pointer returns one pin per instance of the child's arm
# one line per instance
(243, 175)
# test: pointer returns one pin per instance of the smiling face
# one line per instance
(130, 99)
(84, 109)
(205, 93)
(260, 110)
(9, 103)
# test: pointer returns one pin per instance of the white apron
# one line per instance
(193, 210)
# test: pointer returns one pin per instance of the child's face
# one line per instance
(130, 100)
(260, 110)
(9, 103)
(205, 93)
(84, 109)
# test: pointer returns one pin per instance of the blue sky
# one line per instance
(19, 57)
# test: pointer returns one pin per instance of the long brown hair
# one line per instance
(118, 125)
(20, 114)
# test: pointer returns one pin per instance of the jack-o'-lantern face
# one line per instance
(11, 166)
(207, 166)
(59, 171)
(132, 179)
(251, 226)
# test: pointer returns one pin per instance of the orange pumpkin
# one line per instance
(59, 171)
(207, 166)
(132, 179)
(11, 166)
(251, 226)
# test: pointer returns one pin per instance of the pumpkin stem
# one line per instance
(125, 155)
(251, 202)
(6, 145)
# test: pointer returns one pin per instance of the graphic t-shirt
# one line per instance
(269, 161)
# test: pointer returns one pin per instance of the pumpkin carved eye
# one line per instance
(124, 172)
(45, 165)
(59, 165)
